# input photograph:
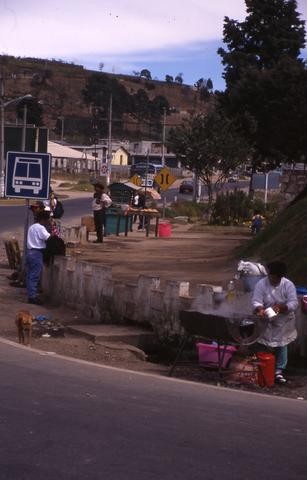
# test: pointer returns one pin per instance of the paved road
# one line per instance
(13, 217)
(66, 420)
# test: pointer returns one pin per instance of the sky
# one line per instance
(167, 37)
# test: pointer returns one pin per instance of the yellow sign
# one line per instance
(136, 179)
(164, 178)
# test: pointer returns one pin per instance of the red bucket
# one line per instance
(266, 369)
(165, 229)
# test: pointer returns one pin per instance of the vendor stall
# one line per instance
(120, 216)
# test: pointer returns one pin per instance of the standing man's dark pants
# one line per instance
(34, 264)
(99, 220)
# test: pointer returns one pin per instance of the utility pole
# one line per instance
(27, 219)
(2, 160)
(163, 157)
(3, 105)
(109, 160)
(163, 137)
(24, 128)
(62, 128)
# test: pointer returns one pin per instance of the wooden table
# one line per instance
(148, 214)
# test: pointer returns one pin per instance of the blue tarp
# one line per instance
(301, 290)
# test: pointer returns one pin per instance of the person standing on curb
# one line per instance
(278, 293)
(36, 243)
(101, 202)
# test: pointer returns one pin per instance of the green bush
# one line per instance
(186, 209)
(234, 208)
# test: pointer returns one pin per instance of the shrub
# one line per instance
(186, 209)
(234, 208)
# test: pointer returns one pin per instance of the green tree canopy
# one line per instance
(179, 78)
(265, 79)
(209, 145)
(145, 74)
(271, 30)
(34, 111)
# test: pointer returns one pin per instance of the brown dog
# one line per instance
(24, 326)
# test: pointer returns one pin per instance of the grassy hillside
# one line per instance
(285, 239)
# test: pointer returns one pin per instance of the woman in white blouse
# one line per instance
(279, 293)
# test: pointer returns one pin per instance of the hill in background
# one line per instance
(59, 87)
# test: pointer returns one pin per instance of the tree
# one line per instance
(34, 111)
(101, 66)
(158, 105)
(140, 105)
(179, 79)
(97, 93)
(265, 80)
(145, 74)
(169, 79)
(209, 84)
(209, 144)
(204, 88)
(271, 31)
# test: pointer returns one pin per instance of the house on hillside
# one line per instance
(145, 150)
(120, 156)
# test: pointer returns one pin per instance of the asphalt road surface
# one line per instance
(13, 217)
(63, 419)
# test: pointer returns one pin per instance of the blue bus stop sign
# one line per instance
(27, 175)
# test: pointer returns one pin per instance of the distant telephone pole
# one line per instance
(2, 159)
(163, 137)
(109, 159)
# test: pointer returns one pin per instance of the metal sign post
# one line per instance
(165, 179)
(28, 177)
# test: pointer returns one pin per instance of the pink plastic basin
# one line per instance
(208, 354)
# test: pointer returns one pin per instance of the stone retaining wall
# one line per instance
(90, 289)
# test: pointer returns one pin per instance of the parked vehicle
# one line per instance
(233, 179)
(186, 186)
(143, 168)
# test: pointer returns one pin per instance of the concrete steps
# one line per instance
(118, 337)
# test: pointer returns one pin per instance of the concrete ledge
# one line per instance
(129, 335)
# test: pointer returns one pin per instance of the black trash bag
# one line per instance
(54, 246)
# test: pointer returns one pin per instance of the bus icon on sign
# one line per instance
(27, 174)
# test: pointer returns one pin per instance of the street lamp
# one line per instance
(3, 105)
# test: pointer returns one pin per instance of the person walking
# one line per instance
(101, 202)
(279, 293)
(36, 243)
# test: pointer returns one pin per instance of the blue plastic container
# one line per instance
(301, 290)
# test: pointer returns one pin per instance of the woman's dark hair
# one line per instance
(99, 185)
(42, 216)
(277, 268)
